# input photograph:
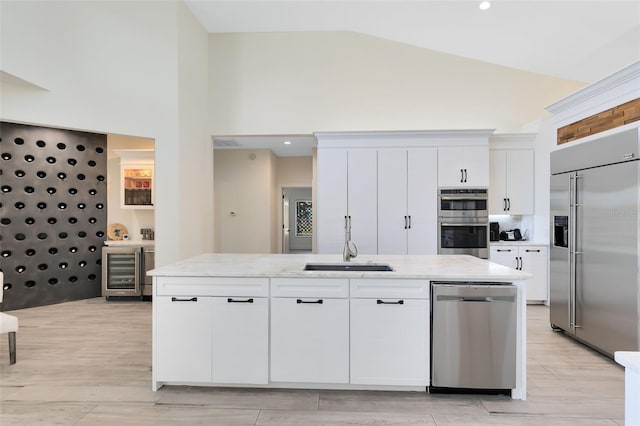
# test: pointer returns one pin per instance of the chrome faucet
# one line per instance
(350, 250)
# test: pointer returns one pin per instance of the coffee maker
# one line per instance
(494, 231)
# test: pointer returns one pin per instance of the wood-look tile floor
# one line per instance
(89, 363)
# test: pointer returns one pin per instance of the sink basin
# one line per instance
(347, 267)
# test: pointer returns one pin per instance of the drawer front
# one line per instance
(503, 250)
(389, 288)
(524, 250)
(211, 286)
(337, 288)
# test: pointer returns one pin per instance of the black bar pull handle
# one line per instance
(532, 251)
(382, 302)
(406, 223)
(319, 301)
(230, 300)
(177, 299)
(461, 176)
(501, 250)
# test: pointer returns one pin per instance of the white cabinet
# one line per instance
(512, 182)
(407, 208)
(310, 332)
(362, 199)
(331, 199)
(390, 333)
(347, 190)
(528, 258)
(182, 339)
(240, 330)
(136, 178)
(201, 335)
(463, 166)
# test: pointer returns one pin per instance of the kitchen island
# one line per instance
(264, 321)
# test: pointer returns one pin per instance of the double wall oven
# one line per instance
(463, 221)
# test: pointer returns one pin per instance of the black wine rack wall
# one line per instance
(53, 214)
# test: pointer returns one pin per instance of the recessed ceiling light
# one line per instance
(287, 142)
(484, 5)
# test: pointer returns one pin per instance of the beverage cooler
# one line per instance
(121, 271)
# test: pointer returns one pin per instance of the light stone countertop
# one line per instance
(629, 359)
(130, 243)
(516, 243)
(443, 267)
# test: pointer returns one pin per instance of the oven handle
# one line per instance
(465, 197)
(462, 224)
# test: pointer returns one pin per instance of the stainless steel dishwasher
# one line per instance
(473, 335)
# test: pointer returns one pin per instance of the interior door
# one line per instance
(285, 222)
(607, 269)
(559, 289)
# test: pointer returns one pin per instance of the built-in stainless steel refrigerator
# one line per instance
(594, 256)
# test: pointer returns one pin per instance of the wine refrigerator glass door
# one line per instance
(121, 271)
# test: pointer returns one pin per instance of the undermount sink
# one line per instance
(377, 267)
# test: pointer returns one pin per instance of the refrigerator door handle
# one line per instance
(571, 298)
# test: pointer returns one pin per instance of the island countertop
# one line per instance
(432, 267)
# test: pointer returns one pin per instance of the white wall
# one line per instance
(243, 201)
(133, 219)
(114, 67)
(275, 83)
(194, 183)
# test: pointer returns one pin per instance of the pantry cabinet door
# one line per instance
(331, 200)
(422, 201)
(363, 199)
(393, 219)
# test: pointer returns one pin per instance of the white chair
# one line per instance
(8, 324)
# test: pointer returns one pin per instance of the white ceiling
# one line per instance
(582, 40)
(300, 145)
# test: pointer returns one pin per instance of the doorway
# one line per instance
(297, 220)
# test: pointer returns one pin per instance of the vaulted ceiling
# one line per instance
(582, 40)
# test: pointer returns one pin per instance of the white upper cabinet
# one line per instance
(512, 186)
(463, 166)
(407, 209)
(385, 185)
(511, 190)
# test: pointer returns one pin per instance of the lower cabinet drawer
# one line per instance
(390, 342)
(310, 340)
(310, 287)
(386, 288)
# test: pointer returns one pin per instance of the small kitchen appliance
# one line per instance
(494, 231)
